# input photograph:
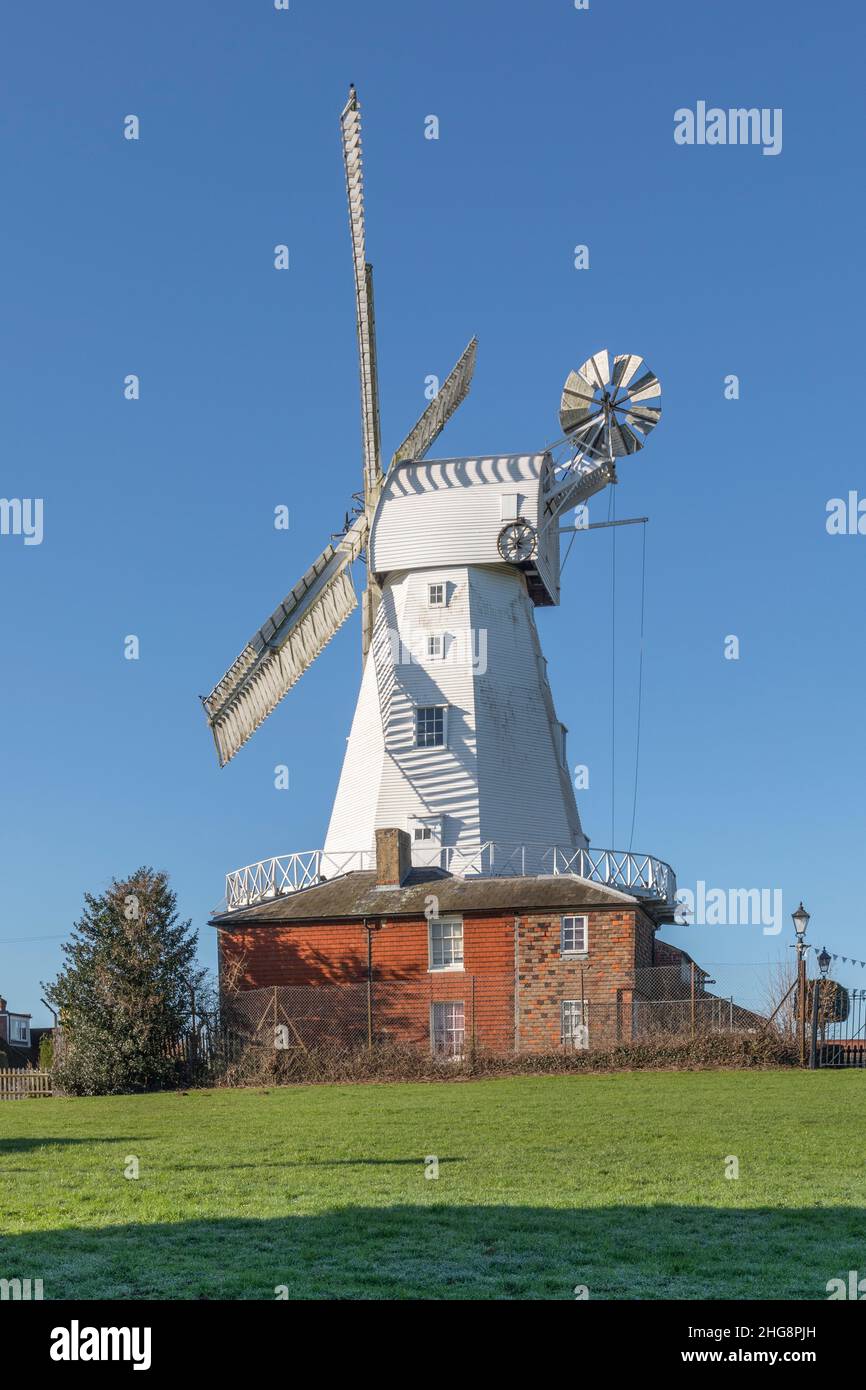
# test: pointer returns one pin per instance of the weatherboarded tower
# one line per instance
(455, 739)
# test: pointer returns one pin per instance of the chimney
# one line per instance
(393, 858)
(2, 1005)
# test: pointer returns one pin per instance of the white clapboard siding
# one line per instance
(450, 512)
(501, 776)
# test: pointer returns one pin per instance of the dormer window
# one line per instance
(19, 1030)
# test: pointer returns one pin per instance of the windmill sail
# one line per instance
(284, 647)
(350, 126)
(452, 393)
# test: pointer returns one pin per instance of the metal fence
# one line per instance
(449, 1014)
(836, 1018)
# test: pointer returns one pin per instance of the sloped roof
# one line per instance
(356, 895)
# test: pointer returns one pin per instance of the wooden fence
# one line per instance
(20, 1084)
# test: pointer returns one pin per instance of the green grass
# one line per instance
(545, 1183)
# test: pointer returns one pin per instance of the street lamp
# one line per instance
(824, 961)
(800, 918)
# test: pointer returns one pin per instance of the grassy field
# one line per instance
(545, 1183)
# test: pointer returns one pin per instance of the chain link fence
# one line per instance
(311, 1030)
(450, 1014)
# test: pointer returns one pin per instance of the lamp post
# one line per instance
(800, 918)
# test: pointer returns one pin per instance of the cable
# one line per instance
(568, 551)
(637, 749)
(611, 516)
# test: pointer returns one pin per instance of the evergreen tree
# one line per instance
(124, 992)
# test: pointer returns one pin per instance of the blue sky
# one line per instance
(155, 257)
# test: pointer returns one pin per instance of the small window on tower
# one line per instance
(435, 645)
(436, 595)
(430, 726)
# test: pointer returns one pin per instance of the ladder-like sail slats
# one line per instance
(285, 645)
(451, 394)
(350, 126)
(266, 676)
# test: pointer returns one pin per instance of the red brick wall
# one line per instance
(546, 978)
(404, 988)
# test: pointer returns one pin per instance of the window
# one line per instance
(430, 726)
(425, 829)
(573, 938)
(435, 646)
(20, 1030)
(446, 943)
(448, 1028)
(573, 1026)
(563, 745)
(509, 506)
(436, 595)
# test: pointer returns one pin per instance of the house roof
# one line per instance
(356, 895)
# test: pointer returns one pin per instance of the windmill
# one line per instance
(455, 736)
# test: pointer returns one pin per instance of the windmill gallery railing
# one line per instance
(638, 874)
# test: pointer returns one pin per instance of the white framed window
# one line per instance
(435, 646)
(20, 1030)
(436, 595)
(426, 829)
(431, 726)
(574, 1025)
(446, 943)
(574, 936)
(509, 506)
(448, 1028)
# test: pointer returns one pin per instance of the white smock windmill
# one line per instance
(455, 737)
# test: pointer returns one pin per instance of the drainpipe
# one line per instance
(517, 984)
(369, 928)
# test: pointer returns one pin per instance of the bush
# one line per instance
(260, 1066)
(46, 1052)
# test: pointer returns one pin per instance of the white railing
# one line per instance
(639, 874)
(286, 873)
